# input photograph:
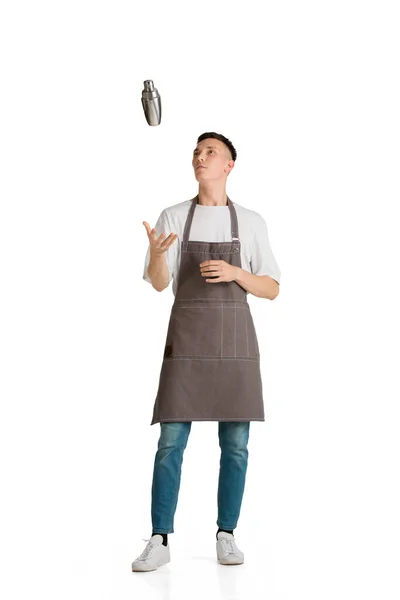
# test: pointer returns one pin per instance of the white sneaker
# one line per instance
(154, 555)
(227, 551)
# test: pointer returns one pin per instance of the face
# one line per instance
(211, 160)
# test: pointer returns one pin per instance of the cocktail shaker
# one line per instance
(151, 102)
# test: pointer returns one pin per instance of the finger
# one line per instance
(210, 263)
(165, 244)
(148, 228)
(169, 242)
(150, 232)
(160, 239)
(168, 238)
(214, 280)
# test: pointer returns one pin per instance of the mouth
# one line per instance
(200, 167)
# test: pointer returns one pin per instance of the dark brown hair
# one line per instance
(221, 138)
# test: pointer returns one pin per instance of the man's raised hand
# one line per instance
(159, 245)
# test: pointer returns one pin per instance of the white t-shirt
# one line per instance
(213, 224)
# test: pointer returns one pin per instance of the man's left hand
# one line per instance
(218, 269)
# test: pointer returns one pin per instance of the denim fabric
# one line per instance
(233, 439)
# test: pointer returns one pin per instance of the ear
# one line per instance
(231, 164)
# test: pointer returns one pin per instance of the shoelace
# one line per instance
(147, 551)
(229, 545)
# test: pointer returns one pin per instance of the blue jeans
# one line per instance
(233, 438)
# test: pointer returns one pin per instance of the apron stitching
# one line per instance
(222, 332)
(247, 341)
(242, 419)
(199, 243)
(235, 332)
(181, 357)
(207, 301)
(205, 252)
(206, 308)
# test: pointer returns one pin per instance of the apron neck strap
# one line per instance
(234, 220)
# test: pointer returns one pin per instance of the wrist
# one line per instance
(154, 255)
(236, 273)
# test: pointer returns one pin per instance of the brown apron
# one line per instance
(211, 366)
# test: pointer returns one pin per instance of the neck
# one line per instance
(212, 195)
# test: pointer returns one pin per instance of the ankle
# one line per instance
(226, 531)
(164, 537)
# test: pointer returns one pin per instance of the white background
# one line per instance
(308, 92)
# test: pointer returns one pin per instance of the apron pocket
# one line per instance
(196, 331)
(252, 343)
(211, 331)
(240, 339)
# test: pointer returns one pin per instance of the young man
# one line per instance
(211, 364)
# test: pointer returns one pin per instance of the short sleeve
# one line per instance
(162, 226)
(263, 261)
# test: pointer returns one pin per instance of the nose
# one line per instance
(199, 161)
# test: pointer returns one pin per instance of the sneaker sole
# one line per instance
(138, 569)
(227, 564)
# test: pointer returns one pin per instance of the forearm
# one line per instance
(262, 286)
(158, 271)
